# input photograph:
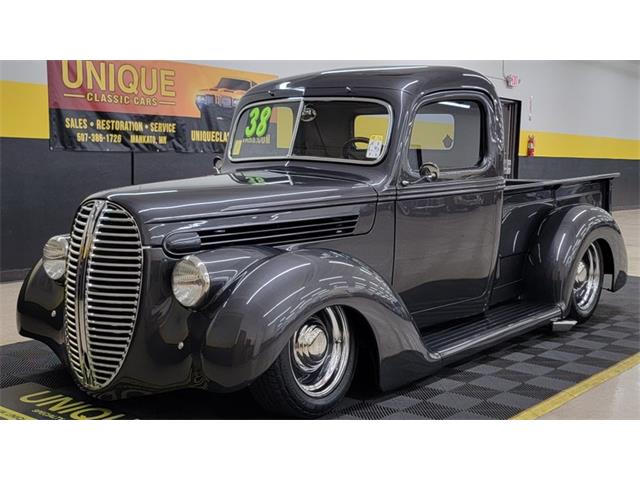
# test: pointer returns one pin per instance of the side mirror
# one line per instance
(217, 164)
(429, 171)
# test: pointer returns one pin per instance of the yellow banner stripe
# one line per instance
(569, 394)
(564, 145)
(24, 110)
(9, 414)
(24, 114)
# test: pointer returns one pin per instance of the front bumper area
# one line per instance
(166, 351)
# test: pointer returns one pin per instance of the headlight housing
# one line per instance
(224, 101)
(54, 256)
(190, 281)
(202, 100)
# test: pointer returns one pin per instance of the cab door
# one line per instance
(447, 226)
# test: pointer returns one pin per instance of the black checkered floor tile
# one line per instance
(519, 374)
(496, 384)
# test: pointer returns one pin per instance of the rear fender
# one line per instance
(255, 315)
(561, 238)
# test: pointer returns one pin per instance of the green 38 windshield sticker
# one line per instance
(255, 180)
(258, 123)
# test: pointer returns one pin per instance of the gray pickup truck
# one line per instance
(359, 223)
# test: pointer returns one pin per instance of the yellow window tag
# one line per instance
(236, 147)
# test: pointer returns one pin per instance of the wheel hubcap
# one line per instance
(320, 352)
(311, 346)
(587, 280)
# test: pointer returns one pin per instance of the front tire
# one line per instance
(314, 371)
(587, 283)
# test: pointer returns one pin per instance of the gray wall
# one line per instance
(40, 190)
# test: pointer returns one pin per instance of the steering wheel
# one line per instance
(350, 151)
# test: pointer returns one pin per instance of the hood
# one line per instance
(232, 194)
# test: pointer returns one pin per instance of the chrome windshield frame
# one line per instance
(300, 101)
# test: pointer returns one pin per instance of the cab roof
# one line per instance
(412, 80)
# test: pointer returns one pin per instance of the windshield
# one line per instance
(234, 84)
(347, 130)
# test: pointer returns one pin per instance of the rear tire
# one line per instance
(588, 277)
(314, 371)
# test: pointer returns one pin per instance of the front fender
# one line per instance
(256, 314)
(40, 310)
(561, 238)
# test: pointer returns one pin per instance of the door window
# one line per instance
(447, 133)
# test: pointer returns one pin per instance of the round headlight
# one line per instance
(190, 281)
(54, 256)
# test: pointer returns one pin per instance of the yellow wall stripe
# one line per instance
(569, 394)
(564, 145)
(24, 110)
(24, 114)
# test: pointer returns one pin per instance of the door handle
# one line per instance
(430, 171)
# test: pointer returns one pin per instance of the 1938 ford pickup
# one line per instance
(356, 215)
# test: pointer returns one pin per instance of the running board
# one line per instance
(497, 324)
(563, 325)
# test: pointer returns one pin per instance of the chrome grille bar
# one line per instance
(104, 277)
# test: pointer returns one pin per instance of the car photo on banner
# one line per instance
(220, 100)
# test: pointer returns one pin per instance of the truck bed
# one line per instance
(594, 189)
(526, 203)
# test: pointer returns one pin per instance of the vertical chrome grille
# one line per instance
(103, 282)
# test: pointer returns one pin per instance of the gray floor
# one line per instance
(618, 398)
(8, 297)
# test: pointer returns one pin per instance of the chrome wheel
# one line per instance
(586, 284)
(320, 352)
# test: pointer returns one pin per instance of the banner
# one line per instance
(143, 106)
